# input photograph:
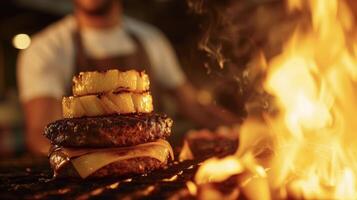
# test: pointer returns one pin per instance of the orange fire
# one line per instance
(313, 136)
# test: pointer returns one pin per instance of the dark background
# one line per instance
(30, 16)
(239, 27)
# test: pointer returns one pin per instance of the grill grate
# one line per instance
(35, 182)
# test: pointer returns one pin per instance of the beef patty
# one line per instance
(63, 168)
(109, 131)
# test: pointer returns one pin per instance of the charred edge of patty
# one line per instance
(109, 131)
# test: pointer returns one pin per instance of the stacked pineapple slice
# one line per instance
(113, 91)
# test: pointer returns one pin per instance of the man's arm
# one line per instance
(210, 115)
(42, 75)
(38, 113)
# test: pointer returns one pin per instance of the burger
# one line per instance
(109, 128)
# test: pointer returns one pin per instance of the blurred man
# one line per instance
(98, 37)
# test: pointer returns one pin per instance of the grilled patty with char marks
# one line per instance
(109, 131)
(63, 168)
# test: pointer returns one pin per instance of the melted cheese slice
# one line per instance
(92, 160)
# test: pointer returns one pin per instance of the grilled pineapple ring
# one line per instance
(108, 103)
(88, 83)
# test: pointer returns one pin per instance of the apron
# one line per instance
(139, 60)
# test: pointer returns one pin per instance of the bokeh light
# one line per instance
(21, 41)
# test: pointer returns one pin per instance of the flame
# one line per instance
(218, 170)
(313, 81)
(186, 153)
(252, 177)
(192, 188)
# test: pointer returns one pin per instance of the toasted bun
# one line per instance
(87, 83)
(109, 131)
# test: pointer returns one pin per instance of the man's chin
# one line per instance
(100, 9)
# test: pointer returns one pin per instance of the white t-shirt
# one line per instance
(45, 69)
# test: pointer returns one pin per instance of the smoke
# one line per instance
(222, 39)
(234, 36)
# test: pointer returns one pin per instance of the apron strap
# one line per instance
(80, 58)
